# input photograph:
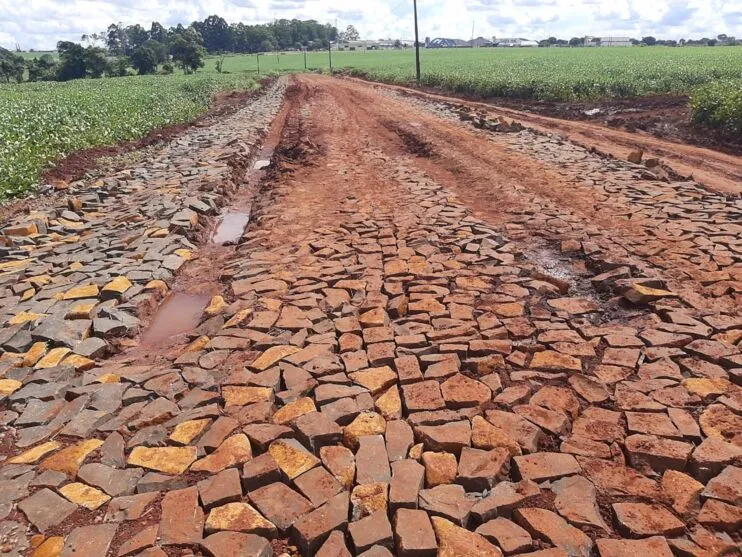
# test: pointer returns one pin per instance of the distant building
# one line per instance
(513, 42)
(386, 44)
(441, 42)
(607, 41)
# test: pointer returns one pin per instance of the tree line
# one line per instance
(720, 40)
(113, 51)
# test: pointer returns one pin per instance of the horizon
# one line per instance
(381, 19)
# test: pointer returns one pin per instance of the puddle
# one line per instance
(178, 314)
(231, 228)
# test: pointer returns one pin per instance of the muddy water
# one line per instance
(231, 227)
(178, 314)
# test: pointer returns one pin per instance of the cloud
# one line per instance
(40, 24)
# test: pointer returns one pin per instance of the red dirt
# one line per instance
(716, 170)
(667, 117)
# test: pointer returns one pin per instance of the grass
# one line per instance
(42, 122)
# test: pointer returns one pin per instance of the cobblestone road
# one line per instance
(438, 334)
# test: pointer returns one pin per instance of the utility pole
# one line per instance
(417, 45)
(329, 50)
(305, 58)
(257, 57)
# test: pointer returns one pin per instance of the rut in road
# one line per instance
(430, 339)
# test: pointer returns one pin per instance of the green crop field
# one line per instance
(537, 73)
(41, 122)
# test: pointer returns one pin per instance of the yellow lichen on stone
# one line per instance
(238, 318)
(34, 454)
(70, 459)
(84, 495)
(272, 356)
(9, 386)
(53, 358)
(34, 354)
(216, 306)
(119, 285)
(292, 460)
(185, 432)
(293, 410)
(240, 396)
(170, 460)
(25, 317)
(84, 291)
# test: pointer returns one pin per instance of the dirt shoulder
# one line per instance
(718, 171)
(666, 117)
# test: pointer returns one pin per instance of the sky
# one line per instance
(39, 24)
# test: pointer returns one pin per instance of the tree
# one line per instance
(157, 33)
(71, 61)
(96, 62)
(576, 41)
(216, 33)
(144, 60)
(12, 66)
(115, 40)
(136, 36)
(42, 69)
(76, 62)
(120, 67)
(649, 40)
(188, 54)
(159, 49)
(350, 34)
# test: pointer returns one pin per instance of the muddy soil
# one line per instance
(667, 117)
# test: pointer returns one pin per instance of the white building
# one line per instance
(615, 41)
(607, 41)
(513, 42)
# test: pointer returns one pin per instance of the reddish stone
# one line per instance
(182, 520)
(318, 485)
(554, 529)
(546, 466)
(509, 536)
(89, 541)
(370, 531)
(230, 544)
(280, 504)
(311, 530)
(334, 546)
(407, 481)
(654, 547)
(414, 534)
(451, 437)
(642, 519)
(479, 470)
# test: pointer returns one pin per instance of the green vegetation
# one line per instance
(42, 122)
(526, 73)
(719, 105)
(554, 73)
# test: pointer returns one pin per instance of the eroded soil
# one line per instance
(439, 333)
